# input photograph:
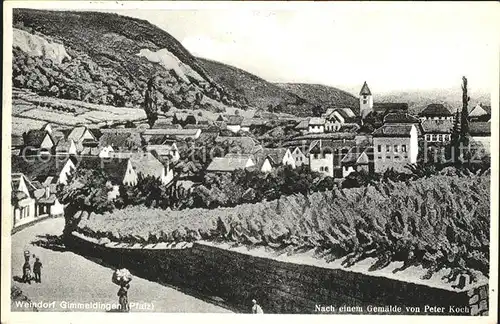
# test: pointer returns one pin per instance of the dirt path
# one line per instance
(70, 278)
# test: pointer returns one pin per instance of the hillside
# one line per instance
(322, 95)
(298, 99)
(107, 59)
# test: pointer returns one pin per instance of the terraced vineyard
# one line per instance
(435, 222)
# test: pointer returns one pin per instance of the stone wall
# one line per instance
(479, 300)
(280, 287)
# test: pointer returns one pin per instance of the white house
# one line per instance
(357, 159)
(395, 146)
(269, 158)
(437, 131)
(321, 159)
(316, 125)
(22, 201)
(299, 157)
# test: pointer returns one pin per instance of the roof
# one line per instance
(50, 200)
(77, 133)
(173, 132)
(114, 168)
(146, 164)
(400, 117)
(229, 163)
(393, 130)
(17, 140)
(303, 124)
(330, 146)
(480, 128)
(437, 126)
(475, 111)
(36, 168)
(346, 112)
(435, 110)
(162, 149)
(64, 145)
(276, 155)
(90, 151)
(166, 125)
(386, 107)
(123, 139)
(16, 179)
(247, 122)
(316, 121)
(184, 116)
(234, 120)
(246, 144)
(35, 137)
(358, 156)
(365, 90)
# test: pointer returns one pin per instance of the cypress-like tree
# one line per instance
(151, 101)
(464, 121)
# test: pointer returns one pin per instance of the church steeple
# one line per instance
(365, 101)
(365, 90)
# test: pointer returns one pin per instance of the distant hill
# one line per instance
(107, 59)
(255, 90)
(298, 99)
(322, 95)
(418, 100)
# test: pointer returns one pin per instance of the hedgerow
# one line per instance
(437, 222)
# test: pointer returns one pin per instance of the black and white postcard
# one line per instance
(263, 158)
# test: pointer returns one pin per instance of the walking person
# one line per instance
(256, 309)
(37, 270)
(123, 298)
(27, 272)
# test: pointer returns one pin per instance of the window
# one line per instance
(326, 169)
(440, 137)
(396, 157)
(387, 148)
(396, 148)
(380, 157)
(403, 148)
(364, 102)
(379, 148)
(434, 137)
(427, 137)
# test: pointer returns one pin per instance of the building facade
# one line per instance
(395, 146)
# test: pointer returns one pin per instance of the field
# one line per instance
(435, 222)
(31, 111)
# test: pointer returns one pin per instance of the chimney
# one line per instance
(47, 192)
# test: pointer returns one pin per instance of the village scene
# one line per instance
(177, 162)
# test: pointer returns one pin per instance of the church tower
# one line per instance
(365, 101)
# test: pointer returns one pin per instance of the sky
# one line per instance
(393, 47)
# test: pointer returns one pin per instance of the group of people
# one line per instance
(28, 275)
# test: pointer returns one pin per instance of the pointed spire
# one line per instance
(365, 90)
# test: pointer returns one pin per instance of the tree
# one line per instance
(317, 111)
(151, 99)
(464, 121)
(87, 191)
